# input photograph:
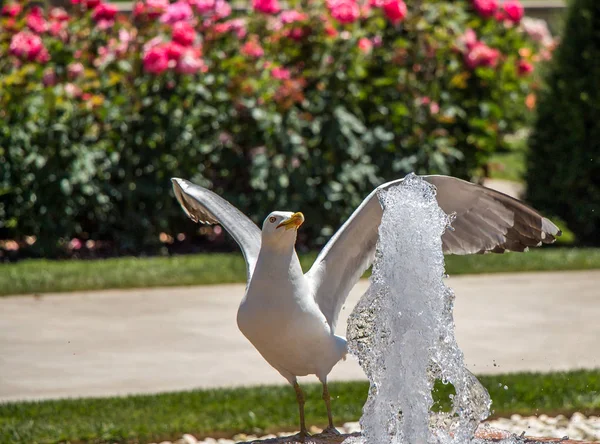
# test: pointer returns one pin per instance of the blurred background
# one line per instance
(302, 105)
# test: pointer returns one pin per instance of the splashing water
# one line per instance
(402, 329)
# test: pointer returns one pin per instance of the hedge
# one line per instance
(563, 175)
(304, 107)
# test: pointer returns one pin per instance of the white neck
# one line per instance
(278, 262)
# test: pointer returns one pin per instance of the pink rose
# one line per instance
(395, 10)
(104, 12)
(184, 33)
(203, 6)
(485, 8)
(190, 63)
(481, 55)
(26, 45)
(59, 14)
(125, 37)
(177, 12)
(266, 6)
(222, 9)
(11, 10)
(524, 68)
(376, 3)
(74, 70)
(514, 10)
(56, 28)
(36, 23)
(156, 60)
(344, 11)
(238, 26)
(75, 244)
(155, 8)
(252, 48)
(222, 28)
(365, 45)
(468, 39)
(292, 16)
(280, 73)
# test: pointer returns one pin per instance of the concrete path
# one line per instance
(142, 341)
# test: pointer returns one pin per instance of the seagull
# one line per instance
(290, 316)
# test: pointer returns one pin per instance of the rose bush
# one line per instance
(293, 107)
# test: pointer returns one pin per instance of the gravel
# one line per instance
(578, 427)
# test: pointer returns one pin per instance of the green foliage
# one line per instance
(563, 174)
(225, 412)
(90, 156)
(37, 276)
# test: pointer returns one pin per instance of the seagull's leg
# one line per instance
(331, 428)
(300, 398)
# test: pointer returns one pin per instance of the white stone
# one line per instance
(189, 439)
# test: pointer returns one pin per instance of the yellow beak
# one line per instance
(294, 221)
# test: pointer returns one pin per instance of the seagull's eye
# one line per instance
(272, 219)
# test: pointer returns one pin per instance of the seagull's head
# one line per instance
(280, 227)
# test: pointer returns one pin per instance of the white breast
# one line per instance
(280, 318)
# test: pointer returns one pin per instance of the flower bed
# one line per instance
(306, 106)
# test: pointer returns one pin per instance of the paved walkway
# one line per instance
(140, 341)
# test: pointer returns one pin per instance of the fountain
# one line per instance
(402, 332)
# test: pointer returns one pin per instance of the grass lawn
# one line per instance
(508, 166)
(43, 276)
(225, 412)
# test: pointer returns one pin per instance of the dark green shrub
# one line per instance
(303, 111)
(563, 176)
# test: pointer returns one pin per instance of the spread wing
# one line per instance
(204, 206)
(486, 220)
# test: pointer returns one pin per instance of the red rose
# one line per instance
(91, 4)
(485, 8)
(266, 6)
(524, 68)
(174, 50)
(104, 12)
(514, 11)
(184, 33)
(395, 10)
(156, 60)
(11, 10)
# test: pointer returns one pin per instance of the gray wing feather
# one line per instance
(486, 221)
(204, 206)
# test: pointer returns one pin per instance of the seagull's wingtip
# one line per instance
(179, 183)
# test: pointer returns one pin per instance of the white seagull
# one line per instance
(290, 316)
